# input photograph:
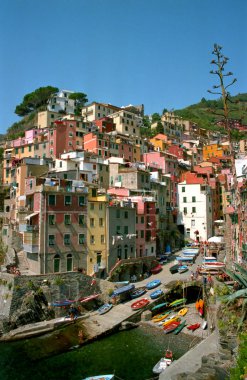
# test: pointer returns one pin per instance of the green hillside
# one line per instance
(206, 113)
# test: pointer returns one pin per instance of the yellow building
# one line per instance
(215, 150)
(159, 142)
(96, 232)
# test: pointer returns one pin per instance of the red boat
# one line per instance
(140, 304)
(89, 298)
(194, 327)
(156, 269)
(171, 327)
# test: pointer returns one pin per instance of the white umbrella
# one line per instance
(215, 239)
(219, 221)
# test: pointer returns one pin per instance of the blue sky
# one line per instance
(151, 52)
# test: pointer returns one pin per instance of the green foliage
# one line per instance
(80, 100)
(156, 117)
(207, 112)
(34, 100)
(58, 281)
(240, 371)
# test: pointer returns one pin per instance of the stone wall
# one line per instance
(55, 287)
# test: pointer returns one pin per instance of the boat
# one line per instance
(140, 304)
(160, 317)
(156, 269)
(182, 268)
(123, 289)
(209, 259)
(162, 364)
(179, 328)
(159, 306)
(138, 292)
(178, 302)
(157, 293)
(188, 259)
(62, 303)
(171, 320)
(121, 283)
(100, 377)
(183, 311)
(194, 326)
(213, 265)
(153, 284)
(89, 298)
(190, 250)
(104, 308)
(171, 327)
(204, 325)
(168, 318)
(174, 269)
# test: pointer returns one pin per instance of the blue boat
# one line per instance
(153, 284)
(160, 306)
(62, 303)
(123, 289)
(105, 308)
(182, 268)
(100, 377)
(138, 292)
(185, 258)
(157, 293)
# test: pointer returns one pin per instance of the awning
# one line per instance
(31, 215)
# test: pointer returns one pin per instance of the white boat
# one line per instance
(209, 259)
(213, 265)
(100, 377)
(191, 250)
(162, 364)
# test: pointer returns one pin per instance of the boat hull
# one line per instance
(153, 284)
(140, 304)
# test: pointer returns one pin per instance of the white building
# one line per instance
(61, 102)
(195, 210)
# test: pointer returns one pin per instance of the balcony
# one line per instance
(31, 241)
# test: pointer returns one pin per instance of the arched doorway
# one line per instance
(69, 262)
(56, 263)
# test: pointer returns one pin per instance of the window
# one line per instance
(100, 206)
(185, 210)
(67, 219)
(51, 239)
(119, 252)
(102, 239)
(193, 199)
(101, 222)
(192, 222)
(51, 220)
(126, 230)
(66, 239)
(193, 209)
(69, 262)
(184, 199)
(56, 263)
(67, 200)
(142, 233)
(22, 149)
(92, 222)
(118, 230)
(117, 213)
(142, 219)
(81, 200)
(126, 214)
(92, 239)
(183, 189)
(52, 200)
(30, 148)
(81, 239)
(81, 219)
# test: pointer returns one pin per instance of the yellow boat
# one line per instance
(183, 311)
(160, 317)
(174, 319)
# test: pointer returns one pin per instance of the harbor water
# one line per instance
(130, 354)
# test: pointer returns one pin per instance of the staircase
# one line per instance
(22, 263)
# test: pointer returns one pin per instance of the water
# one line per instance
(130, 354)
